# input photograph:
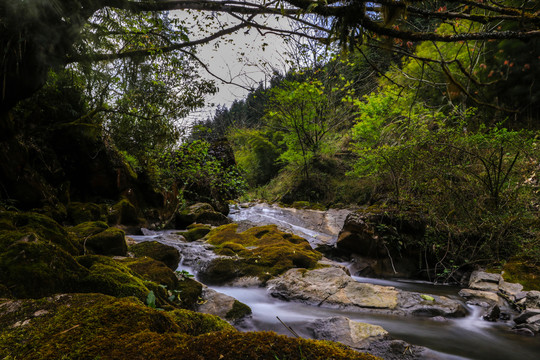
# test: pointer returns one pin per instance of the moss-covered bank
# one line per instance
(93, 326)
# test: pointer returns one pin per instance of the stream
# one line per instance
(463, 338)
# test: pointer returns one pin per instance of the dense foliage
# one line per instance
(430, 107)
(441, 131)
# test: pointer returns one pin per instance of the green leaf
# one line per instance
(151, 300)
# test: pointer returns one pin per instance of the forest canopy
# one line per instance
(39, 35)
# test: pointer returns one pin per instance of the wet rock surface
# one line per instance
(332, 287)
(222, 305)
(346, 331)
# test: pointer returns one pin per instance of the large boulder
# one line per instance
(157, 251)
(261, 252)
(391, 238)
(96, 237)
(332, 287)
(37, 256)
(153, 270)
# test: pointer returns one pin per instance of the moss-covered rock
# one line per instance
(42, 226)
(96, 237)
(262, 251)
(196, 323)
(88, 327)
(152, 270)
(110, 277)
(124, 212)
(111, 241)
(196, 232)
(86, 229)
(190, 292)
(78, 212)
(238, 311)
(92, 326)
(157, 251)
(31, 268)
(36, 256)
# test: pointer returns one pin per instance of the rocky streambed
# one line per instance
(314, 297)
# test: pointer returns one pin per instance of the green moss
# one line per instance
(152, 270)
(123, 212)
(94, 326)
(78, 212)
(262, 251)
(96, 237)
(238, 311)
(196, 233)
(111, 241)
(36, 256)
(42, 226)
(89, 228)
(87, 327)
(268, 346)
(190, 292)
(195, 323)
(31, 268)
(157, 251)
(110, 277)
(523, 273)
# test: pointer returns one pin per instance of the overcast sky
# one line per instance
(238, 58)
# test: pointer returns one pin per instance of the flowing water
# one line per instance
(451, 339)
